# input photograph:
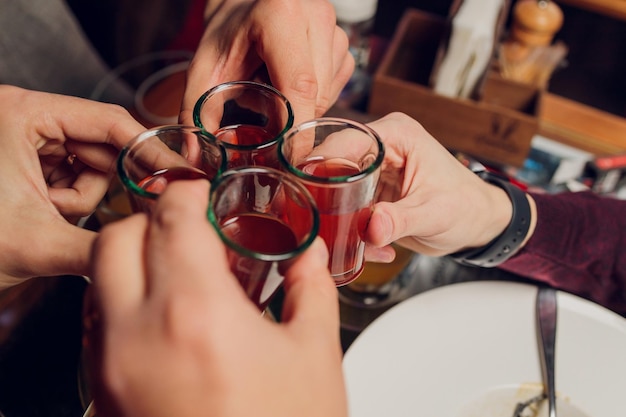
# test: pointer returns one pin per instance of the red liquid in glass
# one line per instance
(248, 135)
(339, 219)
(156, 183)
(262, 234)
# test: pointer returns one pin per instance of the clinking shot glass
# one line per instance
(164, 154)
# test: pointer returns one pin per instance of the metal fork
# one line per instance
(546, 313)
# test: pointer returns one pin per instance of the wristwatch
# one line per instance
(510, 240)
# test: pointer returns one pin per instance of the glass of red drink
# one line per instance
(248, 118)
(163, 154)
(338, 161)
(150, 86)
(266, 218)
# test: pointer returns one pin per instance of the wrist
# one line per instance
(499, 217)
(502, 242)
(495, 215)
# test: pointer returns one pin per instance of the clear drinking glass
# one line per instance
(248, 118)
(338, 161)
(150, 86)
(266, 219)
(163, 154)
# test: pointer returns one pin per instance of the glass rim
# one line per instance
(131, 185)
(284, 179)
(341, 179)
(115, 73)
(197, 108)
(151, 81)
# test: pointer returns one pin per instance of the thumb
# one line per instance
(403, 223)
(310, 293)
(387, 224)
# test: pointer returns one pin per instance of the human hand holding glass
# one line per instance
(298, 45)
(150, 87)
(163, 294)
(56, 162)
(428, 201)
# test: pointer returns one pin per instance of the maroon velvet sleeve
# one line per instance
(579, 246)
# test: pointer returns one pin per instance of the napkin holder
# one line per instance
(496, 126)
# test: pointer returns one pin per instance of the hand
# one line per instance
(57, 157)
(179, 337)
(430, 202)
(297, 41)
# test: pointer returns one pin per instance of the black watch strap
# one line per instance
(508, 243)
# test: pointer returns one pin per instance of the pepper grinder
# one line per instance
(535, 22)
(527, 55)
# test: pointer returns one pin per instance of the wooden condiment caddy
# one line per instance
(496, 127)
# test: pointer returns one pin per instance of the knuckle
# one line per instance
(166, 219)
(305, 85)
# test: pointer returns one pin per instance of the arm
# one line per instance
(433, 205)
(578, 246)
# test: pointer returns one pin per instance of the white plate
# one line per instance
(470, 349)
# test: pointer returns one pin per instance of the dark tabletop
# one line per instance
(40, 346)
